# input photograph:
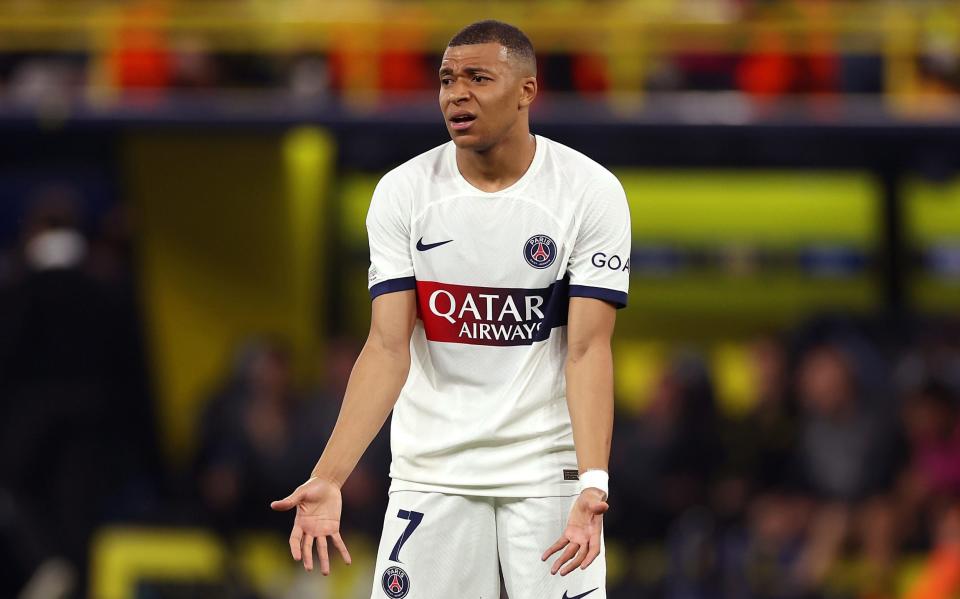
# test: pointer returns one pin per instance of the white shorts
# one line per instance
(439, 546)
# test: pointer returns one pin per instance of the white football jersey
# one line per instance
(483, 410)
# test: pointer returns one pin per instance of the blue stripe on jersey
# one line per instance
(617, 298)
(389, 286)
(557, 307)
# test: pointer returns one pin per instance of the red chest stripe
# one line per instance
(491, 315)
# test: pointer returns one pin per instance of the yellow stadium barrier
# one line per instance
(121, 557)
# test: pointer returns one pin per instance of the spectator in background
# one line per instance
(758, 446)
(110, 256)
(66, 382)
(192, 64)
(252, 438)
(401, 69)
(369, 62)
(932, 475)
(258, 437)
(760, 560)
(664, 459)
(111, 262)
(309, 79)
(47, 83)
(780, 62)
(140, 57)
(755, 497)
(844, 441)
(846, 455)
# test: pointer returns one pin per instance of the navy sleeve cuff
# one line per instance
(617, 298)
(401, 284)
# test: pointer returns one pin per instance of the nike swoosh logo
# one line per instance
(565, 596)
(429, 246)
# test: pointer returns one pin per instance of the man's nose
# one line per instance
(458, 92)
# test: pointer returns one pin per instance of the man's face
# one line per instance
(482, 92)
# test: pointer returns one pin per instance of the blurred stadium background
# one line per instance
(182, 283)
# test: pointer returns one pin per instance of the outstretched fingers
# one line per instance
(301, 548)
(575, 562)
(307, 552)
(560, 544)
(567, 554)
(341, 547)
(324, 556)
(592, 553)
(296, 538)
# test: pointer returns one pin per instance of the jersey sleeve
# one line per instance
(599, 264)
(388, 231)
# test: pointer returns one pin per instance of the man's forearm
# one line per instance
(376, 381)
(590, 401)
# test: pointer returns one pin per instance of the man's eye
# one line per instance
(445, 81)
(480, 78)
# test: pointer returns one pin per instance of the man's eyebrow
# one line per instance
(469, 70)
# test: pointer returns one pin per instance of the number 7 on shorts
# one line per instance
(413, 521)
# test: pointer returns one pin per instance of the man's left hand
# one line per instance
(581, 538)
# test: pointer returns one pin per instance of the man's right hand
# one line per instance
(318, 506)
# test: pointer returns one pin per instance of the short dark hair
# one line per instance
(484, 32)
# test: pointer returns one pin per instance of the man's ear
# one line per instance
(528, 91)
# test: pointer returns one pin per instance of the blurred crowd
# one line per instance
(79, 445)
(77, 433)
(842, 474)
(841, 479)
(785, 49)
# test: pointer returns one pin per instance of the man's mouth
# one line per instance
(461, 120)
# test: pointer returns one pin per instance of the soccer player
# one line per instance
(497, 262)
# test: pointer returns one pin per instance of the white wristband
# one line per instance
(596, 479)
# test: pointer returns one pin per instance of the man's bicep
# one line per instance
(589, 321)
(392, 319)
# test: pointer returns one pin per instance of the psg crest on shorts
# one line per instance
(540, 251)
(395, 582)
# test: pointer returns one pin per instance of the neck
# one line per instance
(500, 165)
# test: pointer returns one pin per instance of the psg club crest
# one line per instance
(395, 582)
(540, 251)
